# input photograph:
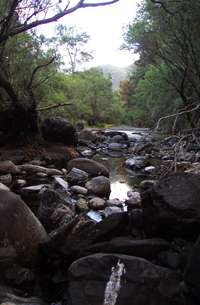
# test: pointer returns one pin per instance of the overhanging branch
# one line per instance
(25, 27)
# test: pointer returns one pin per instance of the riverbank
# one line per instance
(69, 240)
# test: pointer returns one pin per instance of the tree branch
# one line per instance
(37, 69)
(163, 6)
(24, 27)
(176, 114)
(53, 106)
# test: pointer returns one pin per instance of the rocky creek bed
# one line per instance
(65, 240)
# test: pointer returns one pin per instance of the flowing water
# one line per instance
(122, 179)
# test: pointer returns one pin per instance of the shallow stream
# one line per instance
(122, 179)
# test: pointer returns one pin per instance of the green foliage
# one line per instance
(89, 94)
(167, 36)
(74, 43)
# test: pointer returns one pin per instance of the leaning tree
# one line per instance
(22, 16)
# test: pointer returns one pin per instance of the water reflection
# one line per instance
(122, 179)
(119, 190)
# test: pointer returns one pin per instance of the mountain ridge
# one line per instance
(118, 74)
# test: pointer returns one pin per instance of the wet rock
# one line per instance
(119, 139)
(94, 215)
(79, 190)
(86, 135)
(97, 203)
(30, 195)
(150, 169)
(59, 130)
(61, 183)
(21, 232)
(121, 279)
(4, 187)
(114, 202)
(87, 153)
(77, 176)
(56, 208)
(91, 167)
(30, 168)
(90, 233)
(146, 248)
(81, 205)
(117, 136)
(145, 184)
(9, 297)
(134, 201)
(99, 186)
(20, 183)
(112, 210)
(8, 167)
(6, 179)
(32, 189)
(143, 148)
(136, 163)
(116, 146)
(41, 175)
(171, 208)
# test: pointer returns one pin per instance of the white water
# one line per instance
(114, 284)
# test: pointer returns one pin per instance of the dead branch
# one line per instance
(176, 114)
(53, 106)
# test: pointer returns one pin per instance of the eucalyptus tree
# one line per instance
(18, 17)
(74, 43)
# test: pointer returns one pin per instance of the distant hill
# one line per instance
(118, 74)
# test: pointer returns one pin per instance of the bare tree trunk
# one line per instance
(23, 118)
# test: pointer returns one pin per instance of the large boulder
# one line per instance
(99, 186)
(121, 280)
(136, 162)
(146, 248)
(73, 238)
(86, 135)
(77, 176)
(172, 207)
(20, 231)
(59, 130)
(55, 208)
(119, 139)
(8, 167)
(93, 168)
(192, 274)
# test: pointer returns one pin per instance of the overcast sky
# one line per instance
(105, 27)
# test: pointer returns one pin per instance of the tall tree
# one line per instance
(74, 43)
(17, 17)
(167, 34)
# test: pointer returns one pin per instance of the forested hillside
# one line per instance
(117, 74)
